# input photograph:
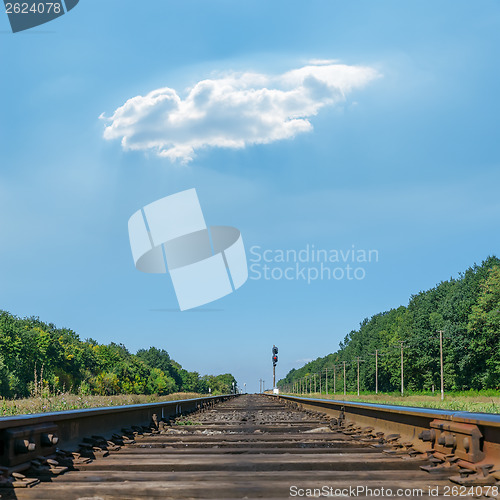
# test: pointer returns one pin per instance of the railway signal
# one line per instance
(275, 360)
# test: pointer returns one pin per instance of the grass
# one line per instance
(187, 422)
(67, 401)
(473, 401)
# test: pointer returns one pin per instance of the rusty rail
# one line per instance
(27, 437)
(468, 443)
(257, 446)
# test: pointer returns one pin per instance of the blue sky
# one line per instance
(404, 161)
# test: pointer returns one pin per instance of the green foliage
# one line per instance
(220, 384)
(484, 330)
(38, 358)
(467, 309)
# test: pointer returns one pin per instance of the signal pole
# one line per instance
(441, 358)
(275, 360)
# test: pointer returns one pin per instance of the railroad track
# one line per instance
(251, 446)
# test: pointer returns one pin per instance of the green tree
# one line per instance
(484, 327)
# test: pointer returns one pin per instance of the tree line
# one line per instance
(35, 355)
(466, 309)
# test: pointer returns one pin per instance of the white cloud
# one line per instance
(232, 111)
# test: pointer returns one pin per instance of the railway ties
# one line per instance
(251, 446)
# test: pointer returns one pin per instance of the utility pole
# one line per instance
(326, 381)
(320, 382)
(441, 358)
(376, 369)
(314, 383)
(263, 385)
(402, 377)
(358, 373)
(334, 388)
(358, 360)
(344, 377)
(260, 385)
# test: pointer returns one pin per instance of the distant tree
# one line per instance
(466, 309)
(484, 327)
(58, 360)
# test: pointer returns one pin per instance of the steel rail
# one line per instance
(469, 441)
(25, 437)
(248, 447)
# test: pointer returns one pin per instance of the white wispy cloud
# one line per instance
(232, 111)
